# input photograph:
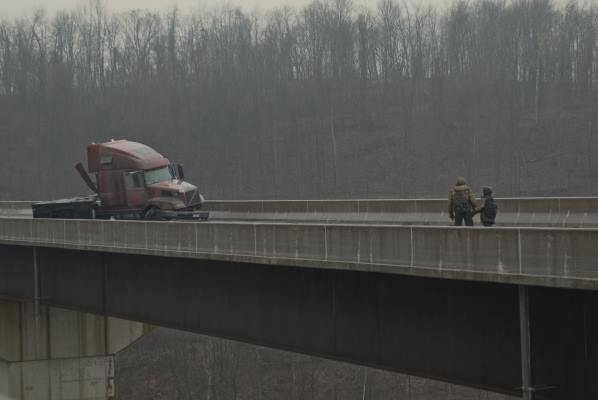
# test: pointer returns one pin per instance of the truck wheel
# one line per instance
(151, 213)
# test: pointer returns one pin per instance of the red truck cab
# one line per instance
(131, 177)
(132, 181)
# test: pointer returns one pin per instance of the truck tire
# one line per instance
(151, 214)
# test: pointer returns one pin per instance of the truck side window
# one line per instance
(134, 180)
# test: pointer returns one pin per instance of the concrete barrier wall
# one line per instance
(562, 212)
(19, 209)
(539, 256)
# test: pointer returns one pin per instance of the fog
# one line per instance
(12, 8)
(335, 103)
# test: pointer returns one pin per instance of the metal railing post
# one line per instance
(524, 331)
(36, 283)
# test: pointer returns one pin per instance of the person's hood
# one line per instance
(461, 188)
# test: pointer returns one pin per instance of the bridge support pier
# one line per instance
(4, 389)
(49, 353)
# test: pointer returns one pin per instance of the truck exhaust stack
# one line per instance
(81, 169)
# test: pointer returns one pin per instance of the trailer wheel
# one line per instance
(151, 213)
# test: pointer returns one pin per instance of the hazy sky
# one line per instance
(11, 8)
(19, 7)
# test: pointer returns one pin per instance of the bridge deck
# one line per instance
(553, 257)
(573, 212)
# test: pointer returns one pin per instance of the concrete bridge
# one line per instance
(510, 309)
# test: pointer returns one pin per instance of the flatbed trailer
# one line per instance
(89, 207)
(75, 208)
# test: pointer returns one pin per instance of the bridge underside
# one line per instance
(460, 331)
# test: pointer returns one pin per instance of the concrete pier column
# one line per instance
(50, 353)
(4, 366)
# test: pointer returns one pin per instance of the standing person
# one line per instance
(489, 207)
(461, 203)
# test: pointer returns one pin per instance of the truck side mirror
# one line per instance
(180, 172)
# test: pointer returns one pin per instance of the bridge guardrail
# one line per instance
(562, 212)
(548, 256)
(554, 212)
(15, 208)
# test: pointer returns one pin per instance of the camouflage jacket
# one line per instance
(466, 192)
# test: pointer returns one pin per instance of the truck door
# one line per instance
(135, 189)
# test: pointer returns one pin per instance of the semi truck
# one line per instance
(130, 181)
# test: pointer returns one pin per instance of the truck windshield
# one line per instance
(158, 175)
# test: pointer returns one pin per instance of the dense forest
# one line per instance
(327, 101)
(168, 364)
